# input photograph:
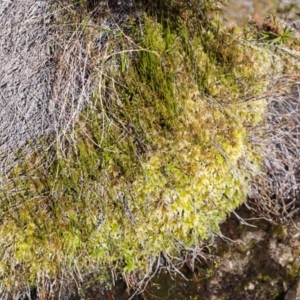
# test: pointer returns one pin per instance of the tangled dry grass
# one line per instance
(25, 94)
(49, 54)
(275, 193)
(45, 79)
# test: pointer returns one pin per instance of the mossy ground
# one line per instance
(153, 165)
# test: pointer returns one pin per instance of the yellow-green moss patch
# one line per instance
(155, 163)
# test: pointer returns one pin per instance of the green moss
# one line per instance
(277, 230)
(162, 159)
(293, 270)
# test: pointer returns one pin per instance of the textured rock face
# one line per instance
(24, 67)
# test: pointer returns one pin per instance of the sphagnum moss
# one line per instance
(160, 157)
